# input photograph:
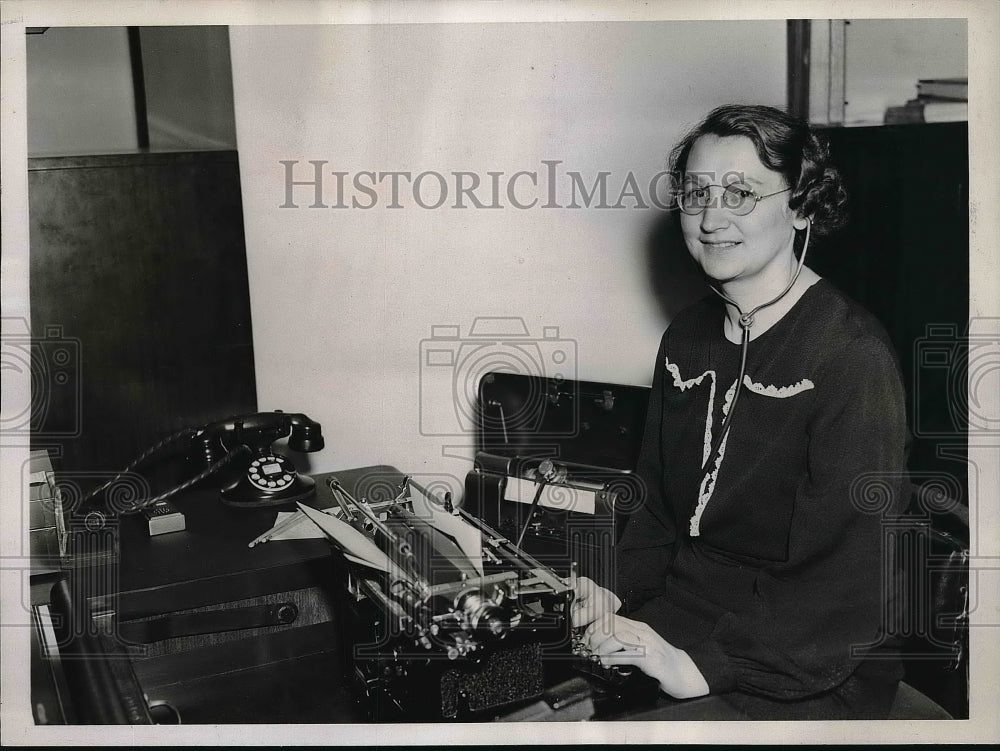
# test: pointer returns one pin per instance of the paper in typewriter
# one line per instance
(361, 549)
(352, 543)
(468, 538)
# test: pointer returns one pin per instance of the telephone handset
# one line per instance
(268, 478)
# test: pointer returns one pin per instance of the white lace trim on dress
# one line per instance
(707, 487)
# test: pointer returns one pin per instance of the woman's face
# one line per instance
(747, 250)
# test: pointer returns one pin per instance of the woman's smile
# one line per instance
(720, 244)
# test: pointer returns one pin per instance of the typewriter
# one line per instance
(445, 618)
(446, 611)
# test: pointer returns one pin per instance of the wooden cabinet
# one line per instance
(139, 302)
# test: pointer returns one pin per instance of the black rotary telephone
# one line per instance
(239, 450)
(269, 478)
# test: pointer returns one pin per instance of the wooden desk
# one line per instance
(294, 673)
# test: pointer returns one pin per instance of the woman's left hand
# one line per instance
(623, 641)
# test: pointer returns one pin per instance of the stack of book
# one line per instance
(938, 100)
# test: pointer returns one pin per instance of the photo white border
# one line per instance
(984, 114)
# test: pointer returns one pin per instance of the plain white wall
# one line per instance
(343, 298)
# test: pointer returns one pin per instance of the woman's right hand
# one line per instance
(592, 602)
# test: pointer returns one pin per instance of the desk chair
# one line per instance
(935, 632)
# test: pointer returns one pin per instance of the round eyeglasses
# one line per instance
(735, 198)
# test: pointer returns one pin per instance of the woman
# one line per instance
(752, 570)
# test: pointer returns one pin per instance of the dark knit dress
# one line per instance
(769, 566)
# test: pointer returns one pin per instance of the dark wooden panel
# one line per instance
(138, 274)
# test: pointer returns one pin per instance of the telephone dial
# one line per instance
(269, 478)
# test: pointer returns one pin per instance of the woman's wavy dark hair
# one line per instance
(784, 144)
